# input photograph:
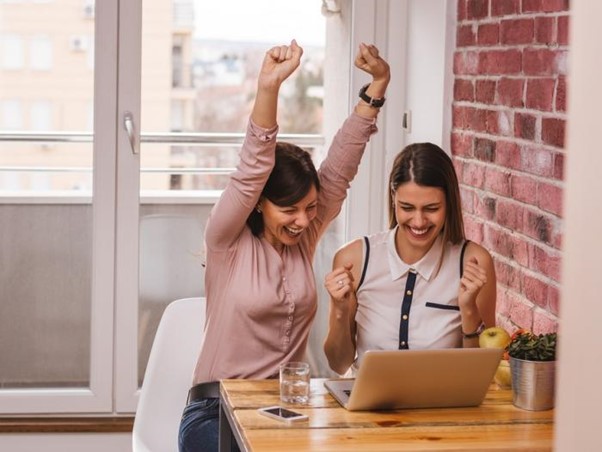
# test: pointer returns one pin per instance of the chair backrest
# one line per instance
(168, 376)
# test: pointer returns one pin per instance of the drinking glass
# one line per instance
(294, 382)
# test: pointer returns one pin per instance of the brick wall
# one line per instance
(509, 114)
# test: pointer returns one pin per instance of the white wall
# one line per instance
(579, 397)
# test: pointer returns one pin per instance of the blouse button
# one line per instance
(402, 343)
(409, 292)
(290, 317)
(405, 317)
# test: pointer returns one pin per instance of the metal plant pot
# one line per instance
(533, 384)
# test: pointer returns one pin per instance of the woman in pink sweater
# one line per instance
(260, 241)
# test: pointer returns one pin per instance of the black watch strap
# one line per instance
(376, 103)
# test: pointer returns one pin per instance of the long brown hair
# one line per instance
(428, 165)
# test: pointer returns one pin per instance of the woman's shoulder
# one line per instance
(473, 249)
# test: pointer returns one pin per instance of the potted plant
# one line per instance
(533, 368)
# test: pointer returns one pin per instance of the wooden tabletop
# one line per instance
(496, 424)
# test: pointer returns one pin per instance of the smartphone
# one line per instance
(282, 414)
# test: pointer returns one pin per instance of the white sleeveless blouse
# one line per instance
(403, 306)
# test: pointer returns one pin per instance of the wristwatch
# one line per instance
(376, 103)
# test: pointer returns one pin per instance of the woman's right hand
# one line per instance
(278, 64)
(369, 60)
(339, 284)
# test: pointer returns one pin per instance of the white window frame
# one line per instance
(98, 397)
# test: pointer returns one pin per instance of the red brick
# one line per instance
(504, 123)
(477, 121)
(473, 174)
(559, 166)
(508, 154)
(484, 207)
(535, 290)
(497, 181)
(459, 120)
(523, 188)
(503, 304)
(520, 251)
(549, 198)
(500, 62)
(545, 6)
(510, 92)
(550, 6)
(544, 30)
(524, 126)
(540, 94)
(473, 229)
(466, 199)
(459, 167)
(522, 314)
(552, 131)
(466, 63)
(485, 91)
(553, 299)
(535, 160)
(465, 36)
(562, 31)
(560, 96)
(463, 90)
(509, 214)
(477, 9)
(461, 144)
(462, 10)
(538, 225)
(543, 62)
(517, 31)
(488, 34)
(484, 149)
(492, 122)
(504, 7)
(497, 241)
(543, 322)
(545, 261)
(507, 275)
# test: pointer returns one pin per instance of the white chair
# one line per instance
(168, 376)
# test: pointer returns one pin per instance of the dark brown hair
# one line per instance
(291, 179)
(428, 165)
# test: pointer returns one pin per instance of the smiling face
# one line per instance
(284, 225)
(420, 212)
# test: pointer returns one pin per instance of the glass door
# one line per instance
(56, 213)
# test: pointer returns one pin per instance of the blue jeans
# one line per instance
(199, 428)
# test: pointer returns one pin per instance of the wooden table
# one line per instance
(496, 424)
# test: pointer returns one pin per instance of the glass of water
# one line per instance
(294, 382)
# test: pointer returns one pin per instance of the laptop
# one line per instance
(396, 379)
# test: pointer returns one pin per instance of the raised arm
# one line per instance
(279, 63)
(229, 215)
(369, 60)
(340, 343)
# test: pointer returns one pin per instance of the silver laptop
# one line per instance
(395, 379)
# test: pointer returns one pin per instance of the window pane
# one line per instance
(45, 191)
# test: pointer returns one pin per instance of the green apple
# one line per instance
(494, 337)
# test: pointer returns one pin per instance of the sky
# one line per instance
(270, 21)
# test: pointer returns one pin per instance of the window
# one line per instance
(12, 115)
(41, 116)
(40, 53)
(12, 52)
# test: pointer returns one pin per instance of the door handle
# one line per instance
(128, 125)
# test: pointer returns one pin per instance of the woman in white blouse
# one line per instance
(418, 285)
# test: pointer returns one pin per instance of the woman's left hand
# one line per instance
(473, 279)
(369, 60)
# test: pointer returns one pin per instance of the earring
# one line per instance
(258, 209)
